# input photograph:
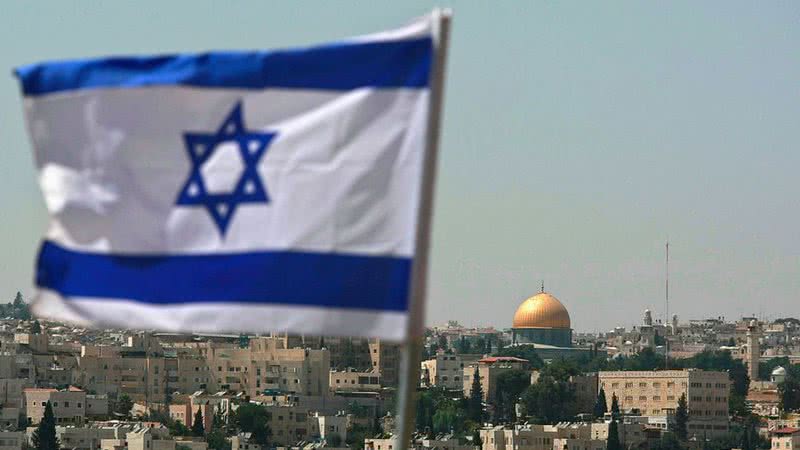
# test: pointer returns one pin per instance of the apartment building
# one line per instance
(786, 438)
(583, 436)
(266, 365)
(351, 380)
(331, 425)
(11, 401)
(149, 377)
(385, 358)
(291, 423)
(69, 405)
(88, 438)
(443, 370)
(656, 393)
(12, 440)
(185, 413)
(488, 371)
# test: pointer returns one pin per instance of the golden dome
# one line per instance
(541, 311)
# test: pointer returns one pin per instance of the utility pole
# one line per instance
(666, 304)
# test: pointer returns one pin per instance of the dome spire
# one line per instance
(542, 285)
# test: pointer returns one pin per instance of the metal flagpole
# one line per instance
(409, 369)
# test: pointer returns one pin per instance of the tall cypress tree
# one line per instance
(475, 405)
(614, 406)
(682, 419)
(198, 429)
(600, 407)
(44, 438)
(613, 436)
(746, 443)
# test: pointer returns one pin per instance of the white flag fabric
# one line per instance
(233, 191)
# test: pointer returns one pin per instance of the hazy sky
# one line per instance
(578, 137)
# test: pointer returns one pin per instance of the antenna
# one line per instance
(666, 307)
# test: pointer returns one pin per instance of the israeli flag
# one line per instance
(234, 191)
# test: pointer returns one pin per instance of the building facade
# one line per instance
(656, 393)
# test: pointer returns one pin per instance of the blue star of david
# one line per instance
(248, 189)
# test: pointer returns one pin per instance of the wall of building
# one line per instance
(656, 393)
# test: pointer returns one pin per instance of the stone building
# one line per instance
(69, 405)
(488, 371)
(786, 438)
(350, 380)
(443, 370)
(656, 393)
(585, 436)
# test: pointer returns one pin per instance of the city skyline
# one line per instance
(602, 131)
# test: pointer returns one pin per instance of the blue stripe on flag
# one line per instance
(279, 277)
(343, 66)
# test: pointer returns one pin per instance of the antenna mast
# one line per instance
(666, 304)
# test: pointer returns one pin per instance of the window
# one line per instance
(670, 384)
(642, 384)
(79, 405)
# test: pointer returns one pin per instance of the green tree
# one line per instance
(198, 428)
(124, 405)
(463, 346)
(36, 327)
(737, 405)
(476, 438)
(356, 435)
(549, 401)
(682, 419)
(475, 403)
(44, 438)
(215, 437)
(479, 346)
(442, 342)
(670, 442)
(789, 394)
(561, 369)
(425, 411)
(216, 440)
(218, 421)
(615, 413)
(448, 418)
(510, 385)
(526, 352)
(18, 300)
(600, 406)
(177, 428)
(613, 442)
(253, 418)
(746, 443)
(333, 440)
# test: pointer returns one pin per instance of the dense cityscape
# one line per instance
(702, 383)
